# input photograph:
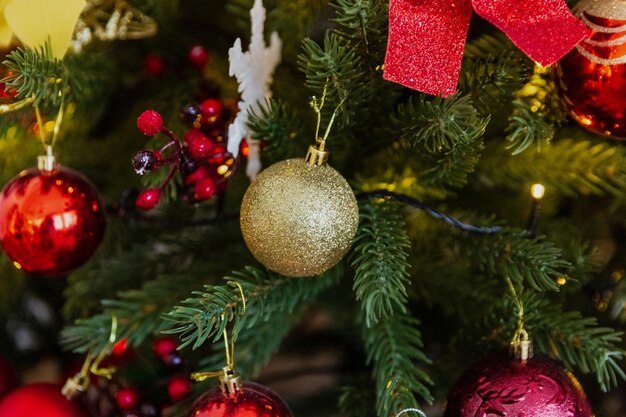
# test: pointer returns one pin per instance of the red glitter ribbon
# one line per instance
(427, 37)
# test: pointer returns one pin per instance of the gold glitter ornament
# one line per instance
(299, 216)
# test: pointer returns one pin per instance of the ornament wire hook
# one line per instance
(80, 382)
(413, 410)
(229, 379)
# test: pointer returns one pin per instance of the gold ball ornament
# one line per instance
(299, 219)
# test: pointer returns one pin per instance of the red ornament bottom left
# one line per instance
(38, 400)
(51, 221)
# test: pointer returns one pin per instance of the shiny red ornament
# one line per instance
(253, 400)
(501, 385)
(50, 221)
(427, 37)
(591, 79)
(38, 400)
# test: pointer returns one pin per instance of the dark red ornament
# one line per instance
(178, 387)
(252, 400)
(126, 398)
(199, 56)
(41, 400)
(51, 221)
(591, 79)
(501, 385)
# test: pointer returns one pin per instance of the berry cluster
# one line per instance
(178, 386)
(201, 157)
(197, 56)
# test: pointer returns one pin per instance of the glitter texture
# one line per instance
(427, 37)
(299, 220)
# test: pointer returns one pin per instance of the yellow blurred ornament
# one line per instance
(299, 216)
(110, 20)
(35, 22)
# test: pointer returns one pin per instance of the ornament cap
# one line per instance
(317, 154)
(46, 162)
(230, 381)
(522, 347)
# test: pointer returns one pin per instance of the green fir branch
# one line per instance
(338, 68)
(138, 313)
(35, 73)
(358, 400)
(363, 24)
(533, 262)
(485, 45)
(394, 348)
(452, 168)
(380, 261)
(439, 124)
(207, 313)
(255, 347)
(575, 340)
(491, 81)
(570, 166)
(279, 126)
(448, 135)
(537, 113)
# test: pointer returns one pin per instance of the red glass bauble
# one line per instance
(253, 400)
(40, 400)
(591, 79)
(50, 221)
(501, 385)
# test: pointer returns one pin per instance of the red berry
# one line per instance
(178, 388)
(120, 347)
(150, 122)
(244, 148)
(198, 56)
(193, 134)
(126, 398)
(219, 155)
(148, 199)
(163, 346)
(201, 173)
(200, 148)
(154, 65)
(204, 189)
(211, 110)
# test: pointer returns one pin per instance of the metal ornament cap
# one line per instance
(299, 219)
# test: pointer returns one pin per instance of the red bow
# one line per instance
(427, 37)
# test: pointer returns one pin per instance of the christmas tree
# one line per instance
(351, 205)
